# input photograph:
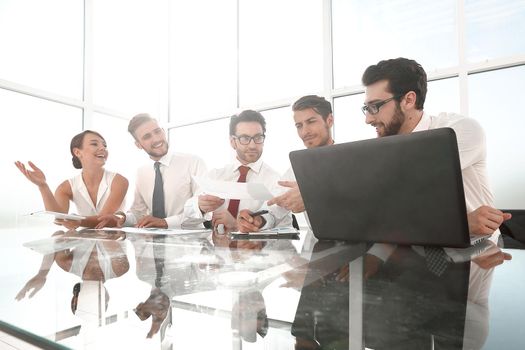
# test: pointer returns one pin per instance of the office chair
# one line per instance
(513, 230)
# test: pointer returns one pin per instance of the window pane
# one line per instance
(42, 47)
(281, 138)
(281, 50)
(494, 28)
(442, 96)
(203, 60)
(365, 32)
(504, 130)
(129, 58)
(209, 140)
(39, 131)
(349, 121)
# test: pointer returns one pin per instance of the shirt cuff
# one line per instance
(382, 250)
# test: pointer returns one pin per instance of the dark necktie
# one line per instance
(436, 260)
(159, 256)
(158, 210)
(233, 207)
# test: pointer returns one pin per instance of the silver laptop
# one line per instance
(403, 189)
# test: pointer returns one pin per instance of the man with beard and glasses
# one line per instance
(313, 120)
(247, 135)
(395, 92)
(163, 186)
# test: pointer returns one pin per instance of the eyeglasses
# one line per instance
(373, 108)
(245, 140)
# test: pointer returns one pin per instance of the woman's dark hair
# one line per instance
(76, 142)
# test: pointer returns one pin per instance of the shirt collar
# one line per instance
(165, 160)
(424, 123)
(255, 166)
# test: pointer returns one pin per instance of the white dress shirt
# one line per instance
(177, 170)
(81, 198)
(259, 172)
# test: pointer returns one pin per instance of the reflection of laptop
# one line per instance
(404, 189)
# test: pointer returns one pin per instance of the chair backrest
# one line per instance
(514, 228)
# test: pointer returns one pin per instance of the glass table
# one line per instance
(111, 289)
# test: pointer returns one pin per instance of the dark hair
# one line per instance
(319, 104)
(76, 142)
(137, 121)
(246, 116)
(403, 75)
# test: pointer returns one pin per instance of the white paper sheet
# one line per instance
(234, 190)
(161, 231)
(60, 215)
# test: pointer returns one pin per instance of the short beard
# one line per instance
(395, 124)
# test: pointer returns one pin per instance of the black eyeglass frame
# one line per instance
(245, 139)
(373, 108)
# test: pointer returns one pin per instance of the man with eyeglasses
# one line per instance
(247, 136)
(313, 120)
(395, 92)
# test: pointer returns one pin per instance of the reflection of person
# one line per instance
(313, 120)
(247, 135)
(95, 191)
(249, 315)
(94, 257)
(176, 171)
(92, 260)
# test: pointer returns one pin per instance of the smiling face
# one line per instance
(150, 137)
(312, 128)
(93, 151)
(251, 152)
(390, 119)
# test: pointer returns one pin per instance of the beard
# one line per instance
(395, 124)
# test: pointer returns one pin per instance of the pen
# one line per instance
(259, 213)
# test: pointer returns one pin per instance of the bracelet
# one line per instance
(121, 215)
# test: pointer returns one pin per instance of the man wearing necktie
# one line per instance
(247, 136)
(162, 186)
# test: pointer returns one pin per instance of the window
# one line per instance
(39, 131)
(365, 32)
(499, 112)
(280, 49)
(42, 47)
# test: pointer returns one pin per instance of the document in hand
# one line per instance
(60, 215)
(234, 190)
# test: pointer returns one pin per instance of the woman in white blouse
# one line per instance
(95, 191)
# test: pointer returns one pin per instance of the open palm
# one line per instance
(35, 175)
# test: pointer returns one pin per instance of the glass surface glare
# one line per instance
(365, 32)
(42, 47)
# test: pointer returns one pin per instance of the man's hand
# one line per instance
(247, 223)
(224, 217)
(291, 199)
(485, 220)
(209, 203)
(151, 221)
(491, 257)
(371, 265)
(110, 220)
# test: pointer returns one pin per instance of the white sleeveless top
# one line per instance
(81, 197)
